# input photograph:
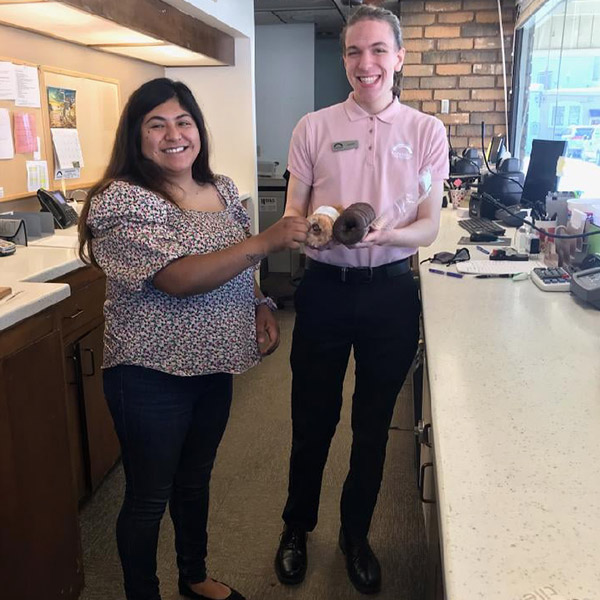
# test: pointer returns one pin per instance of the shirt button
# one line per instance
(370, 131)
(370, 147)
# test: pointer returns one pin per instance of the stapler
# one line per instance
(507, 254)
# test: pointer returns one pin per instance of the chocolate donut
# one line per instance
(353, 224)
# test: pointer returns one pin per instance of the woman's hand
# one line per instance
(267, 330)
(288, 232)
(375, 237)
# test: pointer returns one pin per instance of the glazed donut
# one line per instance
(321, 226)
(353, 224)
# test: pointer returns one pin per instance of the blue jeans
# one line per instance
(169, 428)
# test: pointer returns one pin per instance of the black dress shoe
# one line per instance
(185, 590)
(362, 565)
(290, 560)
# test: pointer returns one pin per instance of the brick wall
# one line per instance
(453, 52)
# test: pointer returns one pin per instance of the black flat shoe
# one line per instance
(291, 557)
(185, 590)
(362, 565)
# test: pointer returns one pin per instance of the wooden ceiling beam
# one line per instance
(160, 20)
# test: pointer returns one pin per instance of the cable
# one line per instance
(573, 236)
(504, 71)
(487, 165)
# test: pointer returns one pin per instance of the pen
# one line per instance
(494, 276)
(449, 273)
(482, 250)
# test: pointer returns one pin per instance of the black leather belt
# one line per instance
(359, 274)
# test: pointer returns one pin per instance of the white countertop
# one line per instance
(514, 374)
(43, 260)
(28, 299)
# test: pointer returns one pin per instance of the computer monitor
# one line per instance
(541, 175)
(495, 149)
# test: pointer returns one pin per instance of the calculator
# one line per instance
(554, 279)
(7, 247)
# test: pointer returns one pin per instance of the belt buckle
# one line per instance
(369, 272)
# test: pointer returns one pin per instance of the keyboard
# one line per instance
(481, 224)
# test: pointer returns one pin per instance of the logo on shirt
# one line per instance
(402, 151)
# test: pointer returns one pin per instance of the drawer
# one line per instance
(83, 307)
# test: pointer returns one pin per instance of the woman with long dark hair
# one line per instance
(183, 314)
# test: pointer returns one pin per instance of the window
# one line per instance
(558, 74)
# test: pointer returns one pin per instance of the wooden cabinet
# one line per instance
(39, 532)
(93, 441)
(57, 440)
(102, 442)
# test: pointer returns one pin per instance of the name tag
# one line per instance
(345, 145)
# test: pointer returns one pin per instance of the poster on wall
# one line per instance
(62, 108)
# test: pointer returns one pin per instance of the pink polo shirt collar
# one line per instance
(356, 112)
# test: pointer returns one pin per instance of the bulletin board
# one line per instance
(13, 174)
(98, 111)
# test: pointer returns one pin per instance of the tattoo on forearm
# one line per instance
(254, 259)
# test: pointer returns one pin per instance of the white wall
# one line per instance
(285, 57)
(331, 84)
(226, 94)
(226, 97)
(234, 16)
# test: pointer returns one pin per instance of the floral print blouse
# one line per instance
(135, 234)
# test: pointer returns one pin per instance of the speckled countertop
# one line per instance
(514, 374)
(40, 262)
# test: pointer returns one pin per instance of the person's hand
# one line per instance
(267, 330)
(288, 232)
(375, 237)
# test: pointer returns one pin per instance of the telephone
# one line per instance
(55, 203)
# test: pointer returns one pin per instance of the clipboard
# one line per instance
(13, 230)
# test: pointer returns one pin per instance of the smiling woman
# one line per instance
(170, 138)
(183, 314)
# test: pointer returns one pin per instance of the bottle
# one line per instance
(522, 240)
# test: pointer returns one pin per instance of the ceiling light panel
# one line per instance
(167, 55)
(64, 22)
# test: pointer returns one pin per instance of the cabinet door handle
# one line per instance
(422, 433)
(422, 484)
(93, 359)
(75, 314)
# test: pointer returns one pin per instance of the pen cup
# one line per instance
(456, 197)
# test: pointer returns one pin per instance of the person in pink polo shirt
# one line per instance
(370, 148)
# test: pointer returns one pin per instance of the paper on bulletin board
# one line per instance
(25, 133)
(62, 108)
(66, 173)
(28, 86)
(8, 81)
(67, 148)
(7, 150)
(37, 175)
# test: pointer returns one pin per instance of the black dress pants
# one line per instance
(380, 321)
